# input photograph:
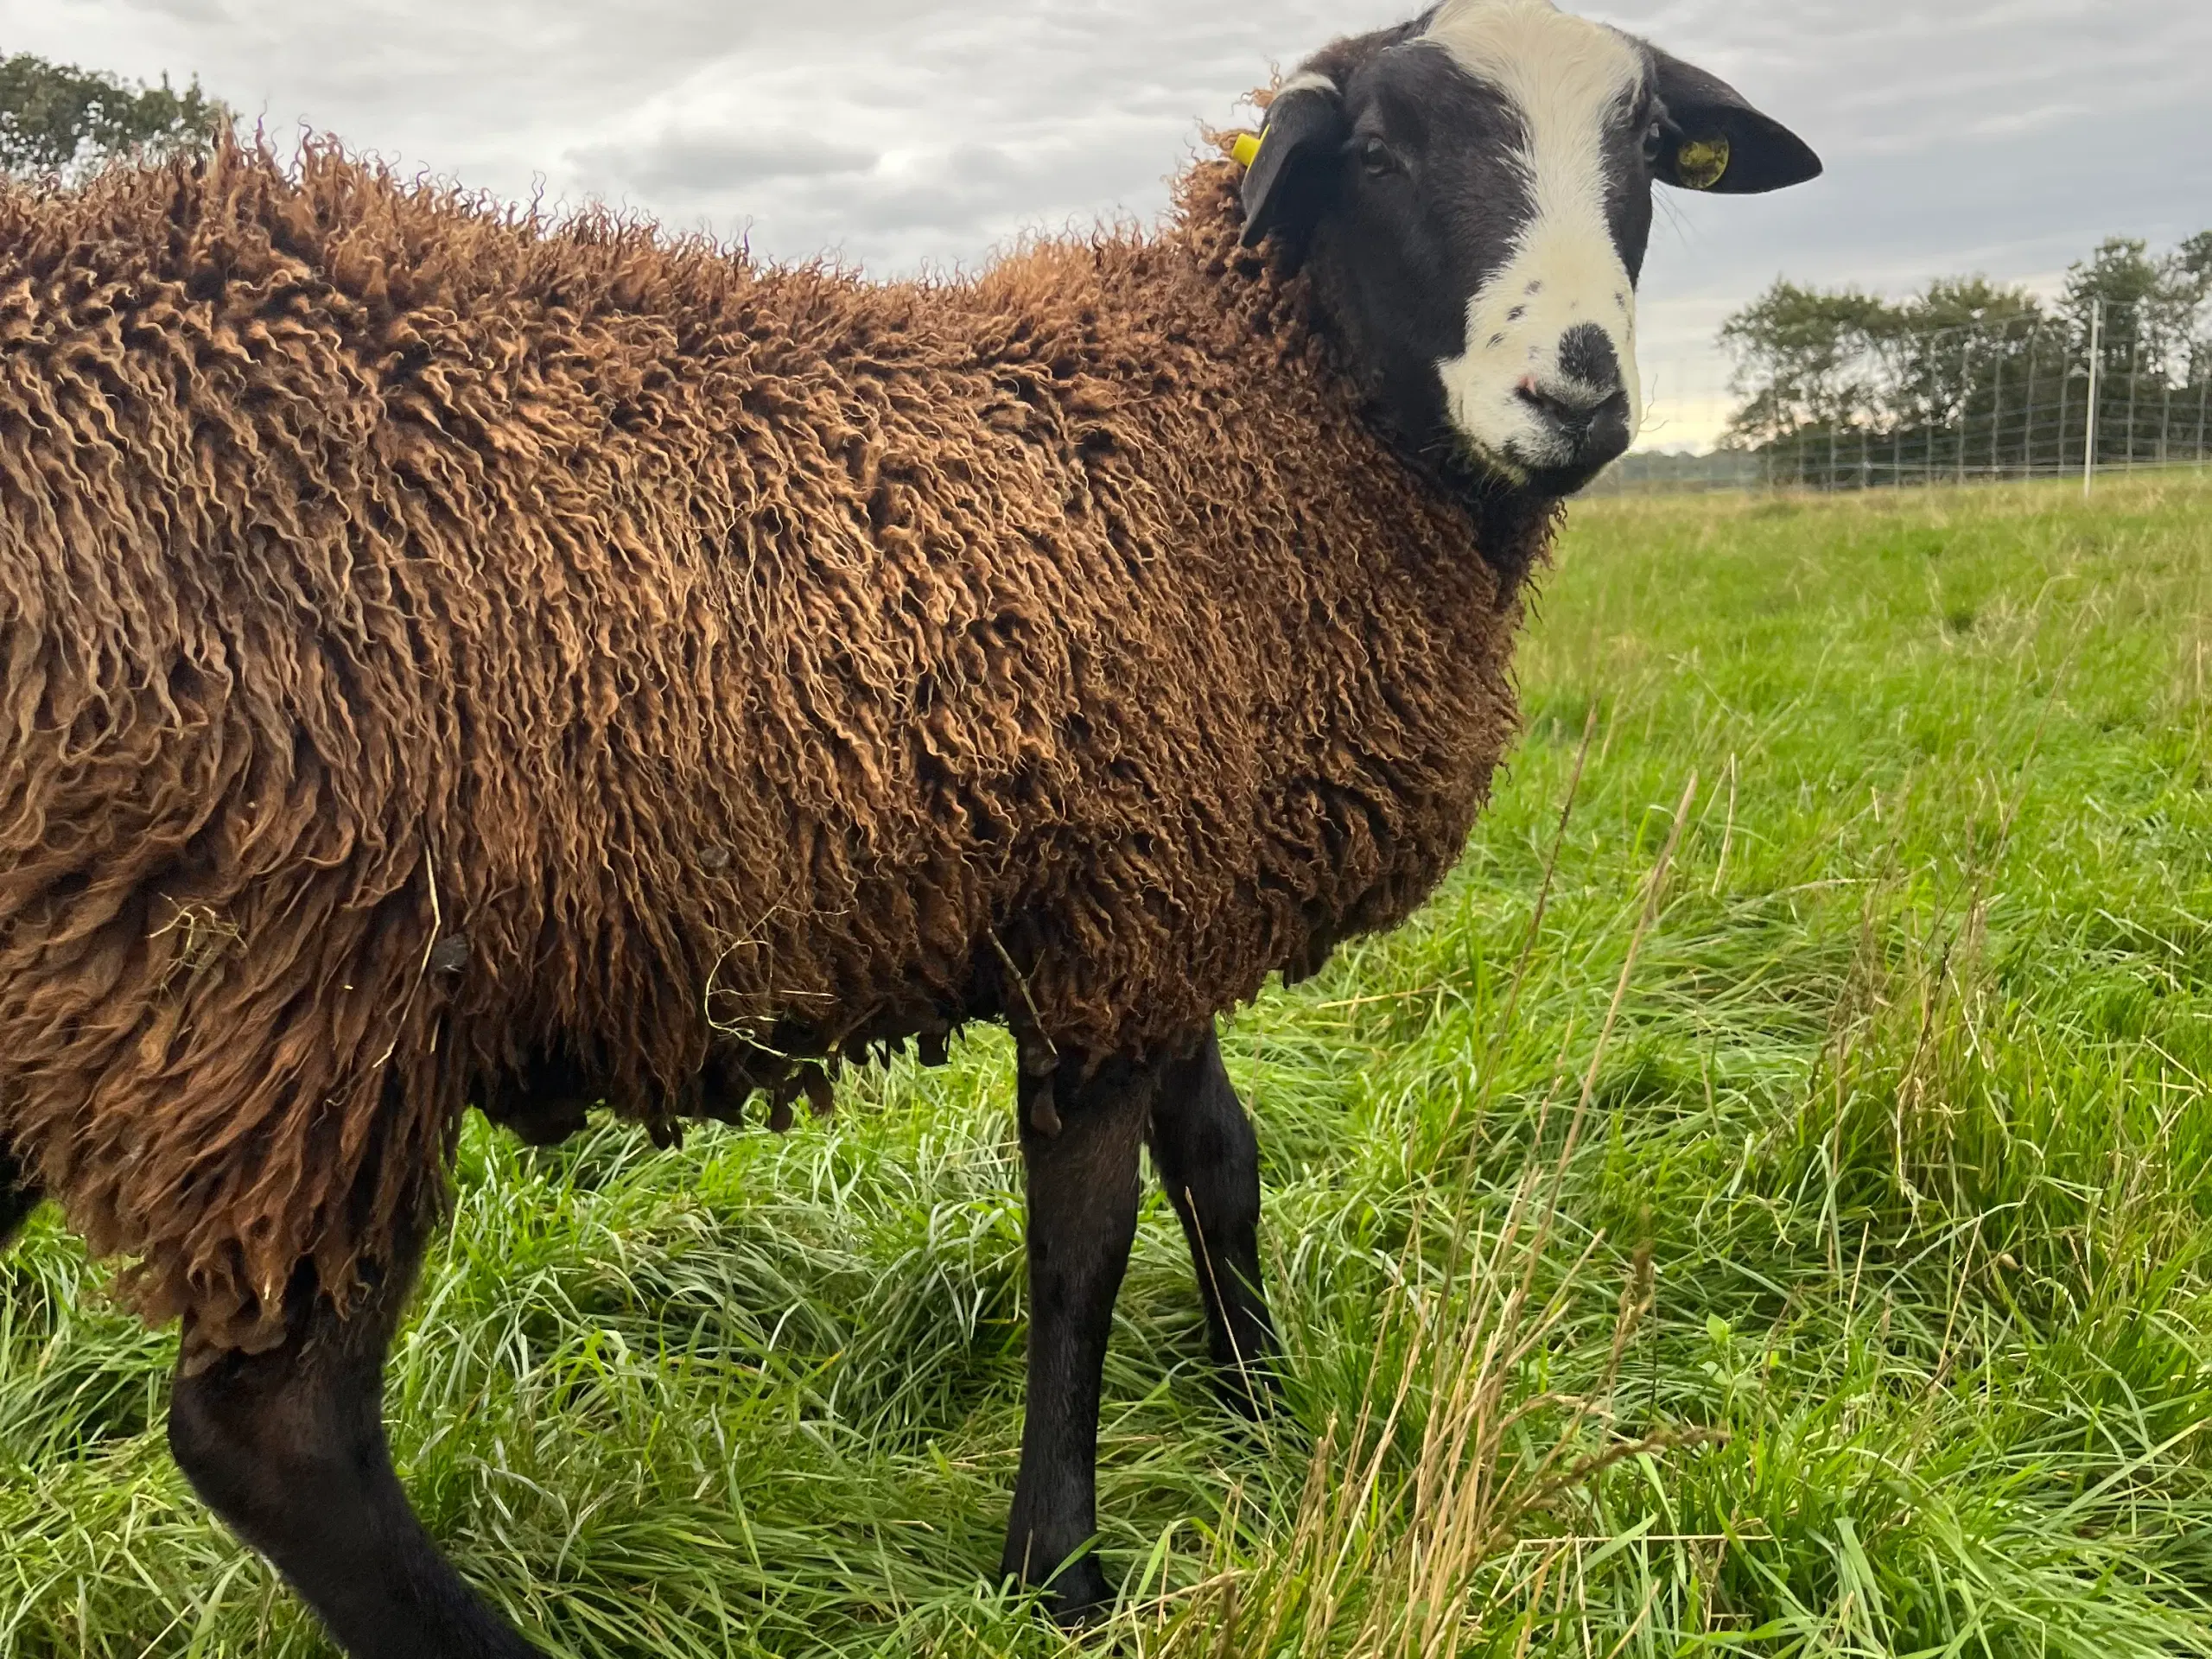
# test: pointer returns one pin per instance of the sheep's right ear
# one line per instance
(1306, 124)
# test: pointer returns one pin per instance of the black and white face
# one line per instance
(1471, 194)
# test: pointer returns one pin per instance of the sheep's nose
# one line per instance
(1587, 404)
(1587, 356)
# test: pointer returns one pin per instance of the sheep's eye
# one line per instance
(1375, 158)
(1654, 141)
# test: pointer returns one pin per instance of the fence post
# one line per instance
(1997, 409)
(2065, 393)
(2203, 408)
(2134, 386)
(2096, 386)
(1966, 398)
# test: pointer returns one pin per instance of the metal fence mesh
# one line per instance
(2037, 397)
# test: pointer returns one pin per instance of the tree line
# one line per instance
(1843, 388)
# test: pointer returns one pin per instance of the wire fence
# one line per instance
(2025, 398)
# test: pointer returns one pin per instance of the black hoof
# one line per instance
(1078, 1596)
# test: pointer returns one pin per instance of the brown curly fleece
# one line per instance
(448, 658)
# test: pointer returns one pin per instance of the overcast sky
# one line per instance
(1999, 136)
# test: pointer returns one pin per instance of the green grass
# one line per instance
(1849, 1292)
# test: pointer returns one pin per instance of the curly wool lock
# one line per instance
(443, 652)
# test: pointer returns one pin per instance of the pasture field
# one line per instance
(1809, 1253)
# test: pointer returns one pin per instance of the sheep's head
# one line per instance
(1471, 192)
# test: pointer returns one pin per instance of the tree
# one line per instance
(1801, 361)
(2195, 256)
(2154, 308)
(1966, 302)
(1953, 344)
(58, 119)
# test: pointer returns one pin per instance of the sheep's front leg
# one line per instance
(1209, 1160)
(288, 1448)
(1079, 1143)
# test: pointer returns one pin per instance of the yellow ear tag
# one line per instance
(1246, 150)
(1700, 163)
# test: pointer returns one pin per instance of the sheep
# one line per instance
(449, 658)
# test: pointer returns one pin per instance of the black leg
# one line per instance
(288, 1448)
(18, 1197)
(1082, 1218)
(1209, 1160)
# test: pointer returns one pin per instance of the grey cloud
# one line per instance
(691, 164)
(2001, 135)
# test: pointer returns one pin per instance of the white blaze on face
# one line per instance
(1569, 82)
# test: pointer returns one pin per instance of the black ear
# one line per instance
(1717, 141)
(1304, 124)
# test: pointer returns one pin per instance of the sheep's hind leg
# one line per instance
(288, 1448)
(1082, 1169)
(18, 1197)
(1209, 1160)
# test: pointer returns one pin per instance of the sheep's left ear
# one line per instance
(1304, 124)
(1717, 141)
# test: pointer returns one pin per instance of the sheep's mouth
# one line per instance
(1471, 472)
(1446, 457)
(1492, 462)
